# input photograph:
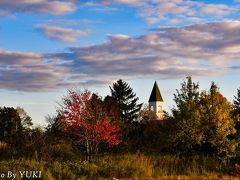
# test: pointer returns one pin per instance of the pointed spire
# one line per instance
(155, 95)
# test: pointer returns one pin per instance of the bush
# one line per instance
(61, 151)
(4, 150)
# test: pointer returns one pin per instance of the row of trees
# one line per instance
(201, 122)
(93, 123)
(17, 137)
(85, 123)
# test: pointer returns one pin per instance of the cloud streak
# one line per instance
(28, 72)
(201, 50)
(61, 34)
(208, 49)
(152, 11)
(38, 6)
(175, 11)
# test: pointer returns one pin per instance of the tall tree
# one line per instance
(236, 112)
(26, 120)
(11, 128)
(88, 123)
(217, 123)
(236, 103)
(201, 122)
(126, 100)
(56, 126)
(185, 133)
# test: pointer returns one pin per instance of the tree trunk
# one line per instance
(87, 151)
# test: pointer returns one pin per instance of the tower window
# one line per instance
(152, 109)
(159, 109)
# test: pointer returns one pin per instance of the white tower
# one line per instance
(156, 101)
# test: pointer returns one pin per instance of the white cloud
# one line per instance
(62, 34)
(55, 7)
(28, 72)
(214, 9)
(175, 11)
(167, 52)
(202, 50)
(152, 11)
(70, 22)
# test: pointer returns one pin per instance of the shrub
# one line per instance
(61, 151)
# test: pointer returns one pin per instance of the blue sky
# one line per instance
(47, 47)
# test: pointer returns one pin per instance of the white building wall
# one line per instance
(157, 107)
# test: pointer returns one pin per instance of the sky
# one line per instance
(50, 46)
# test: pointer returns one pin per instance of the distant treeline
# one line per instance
(86, 126)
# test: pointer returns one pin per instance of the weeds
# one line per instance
(128, 166)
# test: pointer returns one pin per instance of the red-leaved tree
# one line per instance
(88, 122)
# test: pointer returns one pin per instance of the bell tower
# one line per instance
(156, 101)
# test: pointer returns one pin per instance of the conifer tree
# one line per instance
(236, 112)
(236, 104)
(126, 100)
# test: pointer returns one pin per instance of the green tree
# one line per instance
(26, 120)
(217, 123)
(11, 128)
(236, 103)
(126, 100)
(185, 132)
(236, 112)
(56, 125)
(34, 142)
(201, 121)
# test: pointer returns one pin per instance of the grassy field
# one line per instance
(129, 166)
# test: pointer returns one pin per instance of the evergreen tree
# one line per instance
(236, 110)
(236, 102)
(126, 100)
(236, 114)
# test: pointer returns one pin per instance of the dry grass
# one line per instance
(128, 166)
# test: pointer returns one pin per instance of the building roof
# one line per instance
(155, 95)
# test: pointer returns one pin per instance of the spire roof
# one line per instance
(155, 95)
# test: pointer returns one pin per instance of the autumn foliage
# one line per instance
(88, 122)
(201, 122)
